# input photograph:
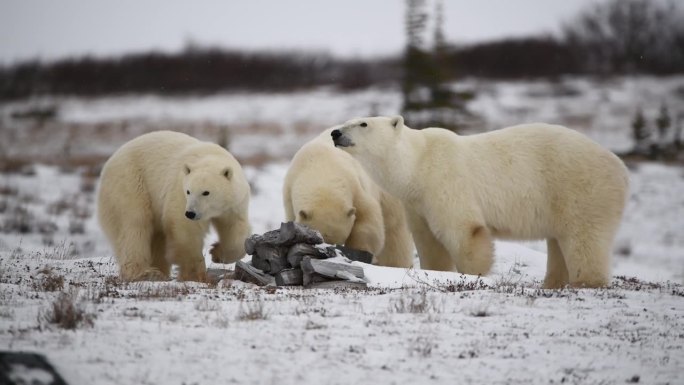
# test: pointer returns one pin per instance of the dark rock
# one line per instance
(14, 364)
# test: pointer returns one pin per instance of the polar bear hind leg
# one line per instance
(133, 249)
(556, 270)
(474, 250)
(159, 260)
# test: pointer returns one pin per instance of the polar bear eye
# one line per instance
(205, 193)
(363, 124)
(187, 192)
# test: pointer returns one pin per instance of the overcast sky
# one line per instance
(49, 29)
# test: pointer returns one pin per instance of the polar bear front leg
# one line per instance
(232, 233)
(587, 258)
(368, 232)
(184, 245)
(431, 252)
(467, 239)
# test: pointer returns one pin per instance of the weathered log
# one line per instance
(290, 277)
(292, 233)
(355, 254)
(269, 258)
(331, 270)
(215, 275)
(269, 237)
(337, 285)
(297, 252)
(248, 273)
(327, 251)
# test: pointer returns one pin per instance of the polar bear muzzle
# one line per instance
(340, 139)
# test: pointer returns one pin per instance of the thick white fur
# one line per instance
(327, 190)
(142, 200)
(532, 181)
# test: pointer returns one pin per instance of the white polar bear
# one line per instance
(327, 190)
(157, 195)
(532, 181)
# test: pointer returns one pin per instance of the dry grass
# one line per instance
(65, 313)
(421, 346)
(415, 303)
(47, 280)
(252, 311)
(205, 305)
(480, 310)
(159, 290)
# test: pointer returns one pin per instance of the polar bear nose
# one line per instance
(336, 134)
(190, 214)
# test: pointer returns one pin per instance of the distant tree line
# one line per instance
(617, 37)
(195, 70)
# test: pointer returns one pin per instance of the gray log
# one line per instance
(331, 270)
(248, 273)
(300, 250)
(290, 277)
(328, 252)
(215, 275)
(269, 237)
(355, 255)
(292, 233)
(337, 285)
(269, 258)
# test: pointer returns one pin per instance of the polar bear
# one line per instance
(531, 181)
(327, 190)
(157, 196)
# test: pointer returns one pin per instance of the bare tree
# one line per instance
(629, 36)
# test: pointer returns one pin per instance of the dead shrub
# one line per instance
(415, 303)
(480, 310)
(252, 311)
(65, 313)
(18, 220)
(8, 190)
(48, 281)
(205, 305)
(159, 290)
(421, 346)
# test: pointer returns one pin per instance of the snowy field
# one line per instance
(411, 326)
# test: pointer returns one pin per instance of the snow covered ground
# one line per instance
(410, 326)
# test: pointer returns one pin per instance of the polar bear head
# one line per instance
(210, 189)
(328, 212)
(377, 143)
(368, 135)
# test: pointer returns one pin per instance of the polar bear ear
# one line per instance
(397, 121)
(303, 215)
(186, 169)
(351, 212)
(227, 173)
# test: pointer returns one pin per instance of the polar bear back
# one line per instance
(526, 176)
(154, 160)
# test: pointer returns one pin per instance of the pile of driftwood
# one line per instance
(296, 255)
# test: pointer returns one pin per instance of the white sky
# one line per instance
(51, 29)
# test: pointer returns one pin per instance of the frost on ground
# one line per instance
(60, 296)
